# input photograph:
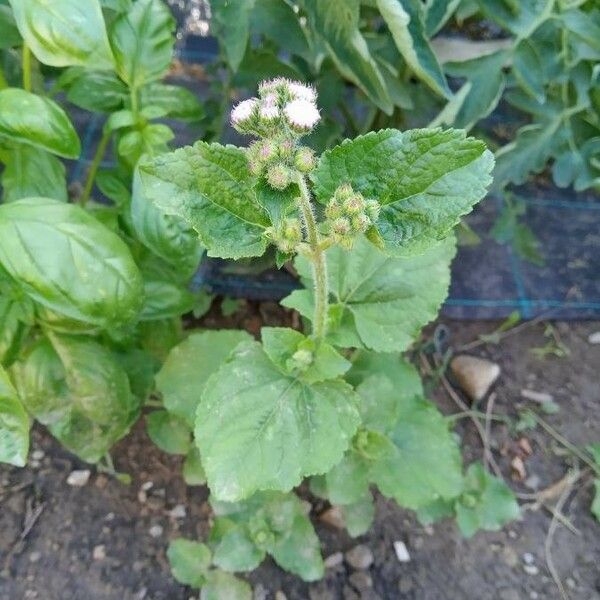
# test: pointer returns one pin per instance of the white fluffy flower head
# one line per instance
(268, 111)
(302, 92)
(302, 115)
(243, 112)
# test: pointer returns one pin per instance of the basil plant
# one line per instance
(368, 226)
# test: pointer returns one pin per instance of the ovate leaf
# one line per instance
(169, 432)
(336, 21)
(405, 21)
(30, 119)
(66, 260)
(95, 90)
(209, 186)
(62, 33)
(521, 18)
(189, 561)
(358, 516)
(177, 102)
(425, 180)
(258, 429)
(382, 302)
(231, 20)
(220, 585)
(30, 171)
(142, 42)
(14, 425)
(486, 502)
(184, 374)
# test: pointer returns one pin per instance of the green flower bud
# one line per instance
(300, 360)
(333, 210)
(372, 210)
(304, 160)
(266, 151)
(279, 176)
(360, 222)
(354, 204)
(341, 226)
(343, 192)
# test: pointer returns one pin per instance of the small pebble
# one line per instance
(534, 595)
(401, 551)
(35, 557)
(156, 531)
(539, 397)
(360, 557)
(146, 485)
(531, 569)
(38, 454)
(99, 552)
(594, 338)
(333, 560)
(474, 375)
(571, 583)
(279, 595)
(333, 516)
(360, 581)
(528, 558)
(178, 512)
(78, 478)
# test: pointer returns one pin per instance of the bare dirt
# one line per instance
(107, 541)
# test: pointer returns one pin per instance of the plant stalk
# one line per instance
(26, 66)
(318, 261)
(91, 175)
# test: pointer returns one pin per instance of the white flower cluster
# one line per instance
(281, 104)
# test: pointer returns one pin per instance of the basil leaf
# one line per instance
(14, 425)
(177, 102)
(189, 561)
(9, 34)
(210, 187)
(183, 376)
(62, 33)
(142, 42)
(425, 180)
(30, 119)
(97, 91)
(66, 260)
(249, 406)
(29, 171)
(380, 302)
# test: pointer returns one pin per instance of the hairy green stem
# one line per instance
(318, 261)
(91, 175)
(26, 65)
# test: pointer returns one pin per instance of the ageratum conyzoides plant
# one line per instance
(368, 225)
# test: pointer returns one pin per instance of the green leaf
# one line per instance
(29, 171)
(299, 356)
(9, 34)
(359, 516)
(521, 18)
(62, 33)
(193, 471)
(170, 433)
(16, 318)
(14, 425)
(595, 508)
(528, 153)
(210, 187)
(97, 91)
(336, 21)
(486, 503)
(348, 481)
(177, 102)
(528, 68)
(300, 552)
(425, 180)
(167, 236)
(384, 301)
(258, 429)
(165, 299)
(224, 586)
(594, 450)
(37, 121)
(479, 95)
(237, 552)
(405, 21)
(66, 260)
(583, 27)
(183, 376)
(231, 21)
(189, 561)
(142, 42)
(438, 12)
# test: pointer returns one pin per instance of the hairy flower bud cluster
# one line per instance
(282, 105)
(287, 235)
(348, 215)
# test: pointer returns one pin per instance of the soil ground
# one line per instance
(107, 541)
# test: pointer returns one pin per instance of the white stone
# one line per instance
(78, 478)
(178, 512)
(99, 552)
(333, 560)
(156, 531)
(401, 551)
(360, 557)
(594, 338)
(539, 397)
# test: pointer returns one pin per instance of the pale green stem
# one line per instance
(91, 175)
(26, 65)
(3, 82)
(317, 259)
